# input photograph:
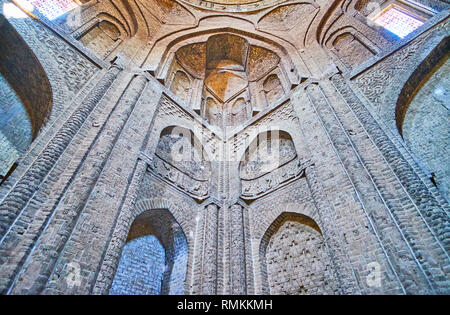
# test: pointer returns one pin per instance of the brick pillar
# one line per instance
(209, 265)
(238, 267)
(31, 180)
(342, 270)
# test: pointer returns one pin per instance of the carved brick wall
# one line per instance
(15, 127)
(425, 128)
(141, 268)
(163, 110)
(297, 261)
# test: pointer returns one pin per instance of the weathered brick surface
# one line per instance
(15, 127)
(299, 149)
(426, 128)
(308, 271)
(140, 268)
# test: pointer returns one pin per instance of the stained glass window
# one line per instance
(397, 21)
(51, 9)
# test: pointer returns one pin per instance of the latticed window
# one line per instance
(398, 21)
(51, 9)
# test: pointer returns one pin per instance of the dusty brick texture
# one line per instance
(224, 147)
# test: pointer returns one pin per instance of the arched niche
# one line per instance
(294, 257)
(102, 38)
(230, 65)
(239, 112)
(181, 161)
(154, 258)
(350, 49)
(273, 89)
(422, 115)
(25, 97)
(213, 111)
(179, 147)
(181, 85)
(160, 60)
(225, 76)
(269, 162)
(266, 152)
(229, 47)
(164, 48)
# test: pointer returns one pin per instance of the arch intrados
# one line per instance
(354, 32)
(417, 79)
(25, 74)
(282, 219)
(145, 221)
(195, 141)
(107, 17)
(256, 137)
(183, 74)
(166, 47)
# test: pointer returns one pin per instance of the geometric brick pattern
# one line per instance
(354, 202)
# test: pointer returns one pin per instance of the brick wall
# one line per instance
(15, 127)
(297, 261)
(141, 267)
(426, 127)
(92, 170)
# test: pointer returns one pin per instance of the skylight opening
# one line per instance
(10, 10)
(398, 21)
(51, 9)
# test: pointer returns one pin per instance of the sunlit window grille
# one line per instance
(397, 21)
(51, 9)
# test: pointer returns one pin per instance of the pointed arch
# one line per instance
(417, 79)
(26, 99)
(421, 115)
(181, 85)
(160, 57)
(154, 258)
(273, 89)
(23, 71)
(293, 248)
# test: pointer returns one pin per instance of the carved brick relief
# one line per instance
(269, 163)
(350, 50)
(181, 86)
(179, 159)
(229, 153)
(273, 89)
(297, 260)
(102, 38)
